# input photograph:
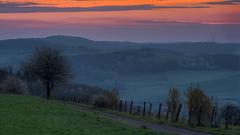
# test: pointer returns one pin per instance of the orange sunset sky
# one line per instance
(132, 20)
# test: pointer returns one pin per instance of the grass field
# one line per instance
(21, 115)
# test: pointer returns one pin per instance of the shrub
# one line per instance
(109, 99)
(101, 102)
(199, 106)
(14, 85)
(231, 115)
(112, 98)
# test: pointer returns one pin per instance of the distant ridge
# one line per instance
(73, 42)
(70, 38)
(84, 39)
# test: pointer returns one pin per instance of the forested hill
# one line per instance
(128, 56)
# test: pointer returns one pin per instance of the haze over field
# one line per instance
(142, 71)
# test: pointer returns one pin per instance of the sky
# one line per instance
(123, 20)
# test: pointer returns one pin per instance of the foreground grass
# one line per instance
(21, 115)
(233, 130)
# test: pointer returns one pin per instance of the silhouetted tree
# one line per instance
(173, 102)
(49, 66)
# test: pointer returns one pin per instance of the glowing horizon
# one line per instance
(67, 16)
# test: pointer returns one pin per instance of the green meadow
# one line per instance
(25, 115)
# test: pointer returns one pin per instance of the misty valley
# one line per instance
(141, 71)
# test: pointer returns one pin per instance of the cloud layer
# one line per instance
(31, 7)
(226, 2)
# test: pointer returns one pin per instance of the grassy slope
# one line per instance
(20, 115)
(233, 130)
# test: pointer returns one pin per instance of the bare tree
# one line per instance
(49, 66)
(173, 102)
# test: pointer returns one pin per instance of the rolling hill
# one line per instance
(149, 68)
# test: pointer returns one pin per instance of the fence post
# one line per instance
(168, 110)
(199, 115)
(88, 98)
(150, 109)
(74, 99)
(125, 106)
(79, 99)
(131, 105)
(212, 117)
(82, 100)
(138, 109)
(178, 112)
(159, 111)
(116, 105)
(85, 102)
(144, 108)
(120, 106)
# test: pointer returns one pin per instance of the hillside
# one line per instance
(126, 65)
(22, 115)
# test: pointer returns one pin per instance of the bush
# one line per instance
(101, 102)
(199, 107)
(3, 75)
(14, 85)
(109, 99)
(112, 98)
(231, 115)
(173, 102)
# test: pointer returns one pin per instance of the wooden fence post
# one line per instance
(178, 112)
(74, 99)
(159, 111)
(131, 105)
(120, 106)
(168, 110)
(116, 105)
(199, 115)
(150, 109)
(88, 98)
(144, 108)
(212, 117)
(79, 99)
(85, 100)
(138, 109)
(125, 106)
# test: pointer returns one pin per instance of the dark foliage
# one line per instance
(199, 107)
(173, 102)
(231, 115)
(101, 102)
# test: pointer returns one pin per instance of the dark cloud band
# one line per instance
(226, 2)
(10, 7)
